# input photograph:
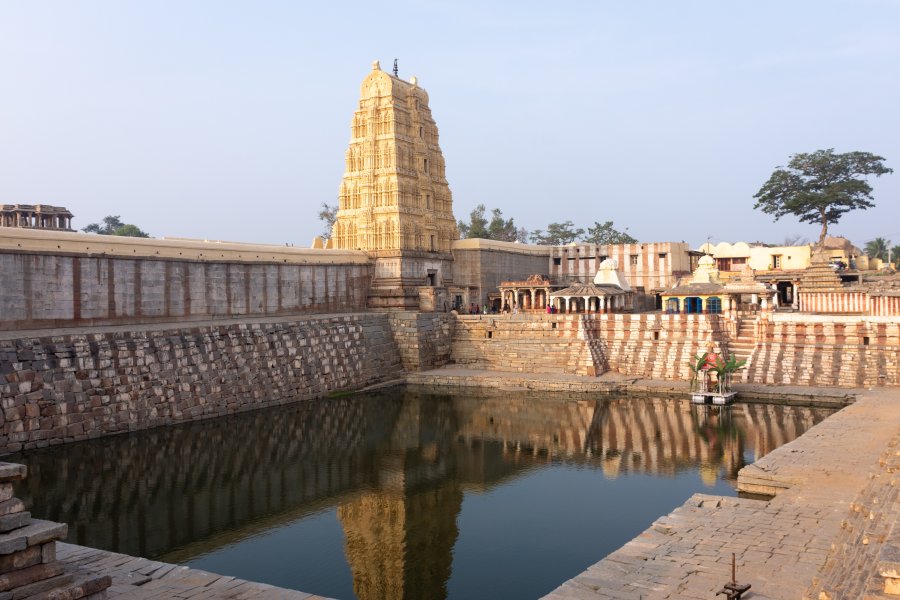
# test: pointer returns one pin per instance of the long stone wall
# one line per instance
(73, 387)
(655, 345)
(790, 349)
(827, 350)
(523, 344)
(642, 345)
(56, 279)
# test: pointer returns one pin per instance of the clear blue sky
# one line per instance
(229, 120)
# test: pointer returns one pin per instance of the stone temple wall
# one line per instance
(74, 387)
(60, 279)
(827, 350)
(42, 291)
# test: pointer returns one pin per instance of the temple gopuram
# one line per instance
(394, 200)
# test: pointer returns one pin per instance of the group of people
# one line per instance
(484, 309)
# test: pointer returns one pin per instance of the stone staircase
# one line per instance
(744, 342)
(28, 566)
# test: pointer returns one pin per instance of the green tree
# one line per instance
(605, 233)
(497, 228)
(129, 230)
(820, 187)
(878, 248)
(328, 215)
(113, 225)
(557, 234)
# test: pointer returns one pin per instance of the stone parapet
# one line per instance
(74, 387)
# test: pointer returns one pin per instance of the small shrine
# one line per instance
(609, 292)
(705, 293)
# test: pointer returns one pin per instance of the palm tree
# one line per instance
(878, 248)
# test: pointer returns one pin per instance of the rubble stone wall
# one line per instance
(827, 350)
(74, 387)
(41, 290)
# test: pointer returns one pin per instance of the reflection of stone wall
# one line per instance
(74, 387)
(643, 435)
(149, 493)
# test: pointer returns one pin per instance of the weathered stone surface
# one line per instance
(115, 382)
(12, 472)
(22, 559)
(14, 521)
(11, 506)
(28, 575)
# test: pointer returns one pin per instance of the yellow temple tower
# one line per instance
(394, 200)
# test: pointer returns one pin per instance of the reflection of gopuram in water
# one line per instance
(395, 465)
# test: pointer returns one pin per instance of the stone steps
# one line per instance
(28, 565)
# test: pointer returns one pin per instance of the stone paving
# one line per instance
(143, 579)
(820, 537)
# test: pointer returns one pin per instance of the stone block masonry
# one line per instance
(28, 565)
(423, 339)
(524, 344)
(641, 345)
(71, 279)
(73, 387)
(826, 350)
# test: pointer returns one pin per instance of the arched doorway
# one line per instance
(672, 305)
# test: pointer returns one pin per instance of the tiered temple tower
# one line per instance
(394, 200)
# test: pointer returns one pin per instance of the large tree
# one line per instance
(820, 187)
(497, 228)
(557, 234)
(113, 225)
(328, 215)
(605, 233)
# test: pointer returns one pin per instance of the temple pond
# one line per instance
(403, 493)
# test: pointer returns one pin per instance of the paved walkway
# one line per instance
(824, 536)
(142, 579)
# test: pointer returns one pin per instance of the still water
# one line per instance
(403, 494)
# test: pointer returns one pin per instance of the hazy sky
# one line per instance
(229, 120)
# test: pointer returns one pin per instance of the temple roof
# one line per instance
(694, 289)
(588, 289)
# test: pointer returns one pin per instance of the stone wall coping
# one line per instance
(518, 248)
(18, 240)
(807, 318)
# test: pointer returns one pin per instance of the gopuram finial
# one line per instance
(376, 66)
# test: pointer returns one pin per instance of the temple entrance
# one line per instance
(693, 305)
(785, 293)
